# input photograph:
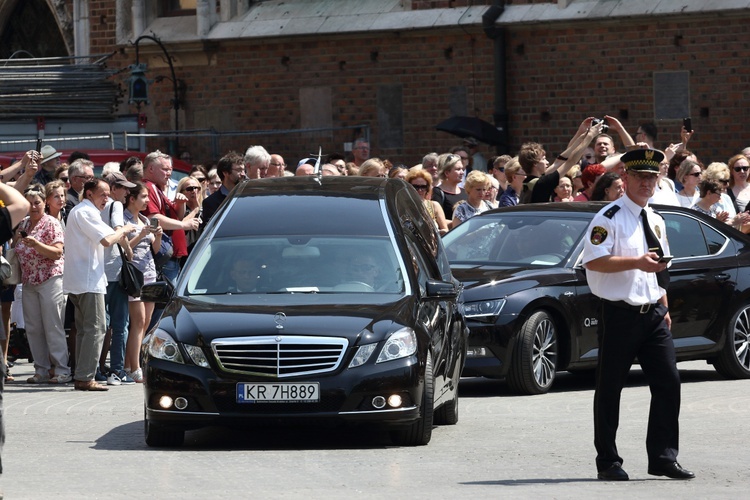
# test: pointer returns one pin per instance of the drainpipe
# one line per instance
(497, 35)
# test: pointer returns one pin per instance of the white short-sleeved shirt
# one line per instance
(665, 194)
(84, 252)
(112, 259)
(617, 230)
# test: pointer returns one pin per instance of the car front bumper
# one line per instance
(345, 396)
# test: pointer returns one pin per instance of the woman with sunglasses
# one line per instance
(739, 188)
(689, 175)
(421, 181)
(719, 173)
(193, 191)
(498, 172)
(451, 171)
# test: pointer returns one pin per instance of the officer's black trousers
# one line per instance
(624, 335)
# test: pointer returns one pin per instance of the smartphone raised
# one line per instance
(23, 233)
(688, 124)
(154, 222)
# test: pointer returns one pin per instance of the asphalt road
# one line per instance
(67, 444)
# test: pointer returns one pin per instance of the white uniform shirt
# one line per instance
(622, 235)
(84, 252)
(665, 194)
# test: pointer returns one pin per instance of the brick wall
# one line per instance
(557, 75)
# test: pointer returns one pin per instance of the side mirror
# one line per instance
(441, 289)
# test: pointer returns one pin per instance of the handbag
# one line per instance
(11, 273)
(131, 278)
(165, 252)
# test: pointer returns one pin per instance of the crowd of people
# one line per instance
(79, 228)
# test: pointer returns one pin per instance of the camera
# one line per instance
(597, 121)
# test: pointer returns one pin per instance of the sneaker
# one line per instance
(99, 376)
(61, 379)
(125, 378)
(37, 379)
(113, 379)
(137, 375)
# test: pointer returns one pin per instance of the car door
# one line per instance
(703, 277)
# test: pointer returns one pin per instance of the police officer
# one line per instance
(624, 258)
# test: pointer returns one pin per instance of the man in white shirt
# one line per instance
(84, 280)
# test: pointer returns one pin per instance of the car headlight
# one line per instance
(161, 345)
(400, 344)
(483, 308)
(196, 355)
(363, 354)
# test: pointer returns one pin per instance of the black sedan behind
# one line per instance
(532, 314)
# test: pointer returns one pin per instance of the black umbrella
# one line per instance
(471, 126)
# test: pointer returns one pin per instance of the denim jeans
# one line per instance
(171, 270)
(117, 310)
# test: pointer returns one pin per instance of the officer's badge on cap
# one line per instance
(643, 160)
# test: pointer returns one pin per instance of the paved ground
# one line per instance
(67, 444)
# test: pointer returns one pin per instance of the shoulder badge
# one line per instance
(657, 230)
(598, 235)
(611, 212)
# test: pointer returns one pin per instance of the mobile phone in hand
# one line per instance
(23, 234)
(665, 259)
(688, 124)
(154, 222)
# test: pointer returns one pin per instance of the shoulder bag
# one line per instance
(131, 278)
(10, 268)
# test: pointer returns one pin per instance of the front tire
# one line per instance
(420, 432)
(733, 361)
(534, 360)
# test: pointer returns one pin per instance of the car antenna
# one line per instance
(317, 170)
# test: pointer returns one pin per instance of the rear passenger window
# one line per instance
(689, 237)
(714, 238)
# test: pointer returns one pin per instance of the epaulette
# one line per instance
(611, 212)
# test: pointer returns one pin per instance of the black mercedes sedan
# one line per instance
(309, 299)
(531, 313)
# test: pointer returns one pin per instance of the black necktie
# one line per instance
(662, 277)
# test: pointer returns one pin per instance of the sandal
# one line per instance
(9, 377)
(61, 379)
(37, 379)
(89, 385)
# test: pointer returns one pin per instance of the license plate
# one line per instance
(307, 392)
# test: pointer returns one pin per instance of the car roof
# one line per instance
(339, 204)
(326, 185)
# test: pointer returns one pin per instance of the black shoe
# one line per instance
(613, 473)
(672, 471)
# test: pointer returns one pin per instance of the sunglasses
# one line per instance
(695, 174)
(741, 169)
(64, 179)
(190, 189)
(200, 179)
(420, 187)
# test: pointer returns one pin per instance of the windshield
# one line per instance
(296, 264)
(514, 239)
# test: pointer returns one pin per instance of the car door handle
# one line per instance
(721, 277)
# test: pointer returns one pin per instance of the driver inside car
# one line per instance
(364, 269)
